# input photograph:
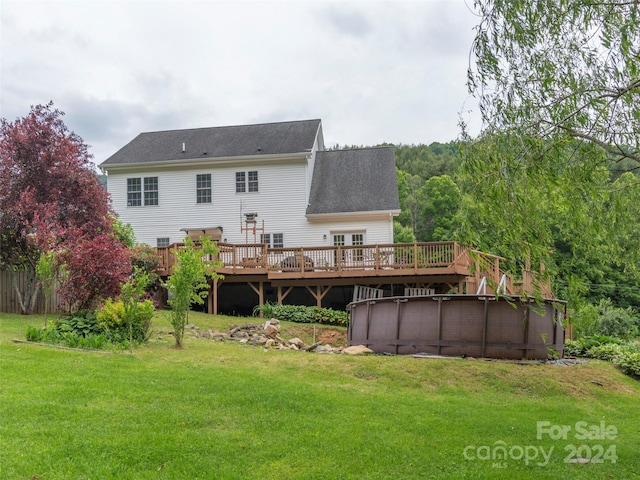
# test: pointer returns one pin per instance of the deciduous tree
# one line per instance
(441, 200)
(559, 90)
(48, 193)
(561, 68)
(188, 282)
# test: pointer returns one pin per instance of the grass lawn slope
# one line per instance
(231, 411)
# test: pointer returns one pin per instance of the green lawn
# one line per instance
(222, 410)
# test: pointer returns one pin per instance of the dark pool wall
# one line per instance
(471, 325)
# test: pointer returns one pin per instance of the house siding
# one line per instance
(280, 203)
(284, 182)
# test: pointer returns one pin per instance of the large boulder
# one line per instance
(357, 350)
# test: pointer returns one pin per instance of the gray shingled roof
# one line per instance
(359, 180)
(219, 142)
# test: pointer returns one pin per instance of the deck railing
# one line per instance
(393, 256)
(383, 259)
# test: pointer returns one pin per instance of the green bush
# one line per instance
(629, 363)
(302, 314)
(118, 325)
(91, 341)
(62, 333)
(585, 320)
(625, 356)
(108, 328)
(573, 349)
(605, 319)
(581, 346)
(616, 322)
(81, 324)
(605, 352)
(47, 334)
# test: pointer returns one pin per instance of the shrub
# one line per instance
(605, 319)
(572, 348)
(625, 356)
(302, 314)
(115, 324)
(616, 322)
(628, 363)
(70, 332)
(581, 346)
(48, 334)
(605, 352)
(585, 320)
(81, 324)
(109, 327)
(292, 313)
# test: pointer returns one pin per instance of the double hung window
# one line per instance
(136, 193)
(273, 240)
(203, 188)
(247, 181)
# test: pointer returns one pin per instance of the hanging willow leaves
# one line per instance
(556, 68)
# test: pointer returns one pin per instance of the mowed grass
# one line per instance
(223, 410)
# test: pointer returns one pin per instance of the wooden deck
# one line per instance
(459, 268)
(437, 258)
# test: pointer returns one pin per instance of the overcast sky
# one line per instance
(373, 72)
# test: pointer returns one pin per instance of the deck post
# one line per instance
(319, 293)
(260, 291)
(282, 296)
(213, 297)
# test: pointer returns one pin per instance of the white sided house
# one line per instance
(276, 175)
(295, 223)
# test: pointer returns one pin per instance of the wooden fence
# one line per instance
(9, 299)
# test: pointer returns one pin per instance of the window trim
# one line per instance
(148, 193)
(247, 181)
(269, 239)
(138, 193)
(280, 243)
(204, 195)
(134, 195)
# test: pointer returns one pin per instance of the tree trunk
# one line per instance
(27, 298)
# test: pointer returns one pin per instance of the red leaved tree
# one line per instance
(50, 199)
(95, 267)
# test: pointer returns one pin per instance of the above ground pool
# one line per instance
(482, 326)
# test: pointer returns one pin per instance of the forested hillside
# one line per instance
(442, 198)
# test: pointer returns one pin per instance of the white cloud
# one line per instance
(372, 71)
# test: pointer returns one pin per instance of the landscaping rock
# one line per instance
(324, 349)
(297, 342)
(271, 331)
(266, 335)
(216, 335)
(356, 350)
(206, 334)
